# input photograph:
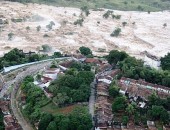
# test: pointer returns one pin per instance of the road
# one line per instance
(14, 105)
(92, 98)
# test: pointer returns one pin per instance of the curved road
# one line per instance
(14, 105)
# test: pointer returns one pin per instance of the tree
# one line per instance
(27, 28)
(10, 35)
(107, 14)
(165, 25)
(46, 48)
(119, 104)
(130, 110)
(38, 28)
(44, 121)
(165, 62)
(52, 126)
(85, 51)
(57, 54)
(116, 32)
(158, 112)
(125, 120)
(115, 56)
(113, 91)
(80, 119)
(79, 22)
(124, 24)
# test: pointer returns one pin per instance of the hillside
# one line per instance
(143, 32)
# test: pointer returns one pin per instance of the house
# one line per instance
(65, 65)
(104, 67)
(48, 93)
(166, 127)
(93, 61)
(141, 88)
(151, 125)
(5, 110)
(8, 120)
(79, 57)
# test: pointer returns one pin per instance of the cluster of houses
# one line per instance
(141, 89)
(103, 109)
(49, 75)
(9, 120)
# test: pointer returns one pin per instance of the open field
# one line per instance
(53, 109)
(146, 5)
(147, 34)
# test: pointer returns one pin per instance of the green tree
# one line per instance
(57, 54)
(116, 32)
(10, 36)
(119, 103)
(52, 126)
(45, 121)
(85, 51)
(27, 28)
(125, 120)
(115, 56)
(38, 28)
(165, 62)
(113, 91)
(124, 24)
(130, 109)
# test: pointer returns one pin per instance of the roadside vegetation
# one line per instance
(136, 5)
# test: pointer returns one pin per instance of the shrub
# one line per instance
(116, 32)
(79, 22)
(124, 24)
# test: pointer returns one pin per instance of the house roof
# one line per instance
(8, 119)
(67, 64)
(79, 56)
(92, 60)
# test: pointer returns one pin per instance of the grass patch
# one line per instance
(53, 109)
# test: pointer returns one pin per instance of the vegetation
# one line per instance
(152, 5)
(116, 32)
(115, 56)
(107, 14)
(78, 119)
(79, 22)
(10, 36)
(38, 28)
(165, 62)
(1, 121)
(50, 25)
(72, 87)
(27, 28)
(156, 109)
(85, 51)
(116, 16)
(15, 57)
(124, 24)
(85, 10)
(35, 99)
(46, 48)
(135, 69)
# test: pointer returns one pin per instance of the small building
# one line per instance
(93, 61)
(151, 125)
(79, 57)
